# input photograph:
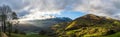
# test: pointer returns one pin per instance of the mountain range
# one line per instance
(37, 25)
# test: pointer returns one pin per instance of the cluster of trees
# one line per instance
(6, 19)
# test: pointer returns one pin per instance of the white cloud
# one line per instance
(36, 8)
(109, 8)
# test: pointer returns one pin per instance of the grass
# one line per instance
(114, 35)
(35, 35)
(30, 35)
(18, 35)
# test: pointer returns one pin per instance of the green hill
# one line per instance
(88, 26)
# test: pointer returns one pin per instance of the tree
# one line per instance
(7, 17)
(4, 13)
(13, 21)
(42, 32)
(15, 18)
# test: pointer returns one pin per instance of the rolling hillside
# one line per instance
(88, 26)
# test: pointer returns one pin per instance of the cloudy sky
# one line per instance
(67, 8)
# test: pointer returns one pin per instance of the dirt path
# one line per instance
(3, 34)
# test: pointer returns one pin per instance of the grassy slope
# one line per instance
(114, 35)
(35, 35)
(89, 26)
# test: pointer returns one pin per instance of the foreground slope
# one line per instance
(88, 26)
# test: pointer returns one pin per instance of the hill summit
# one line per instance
(88, 26)
(94, 17)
